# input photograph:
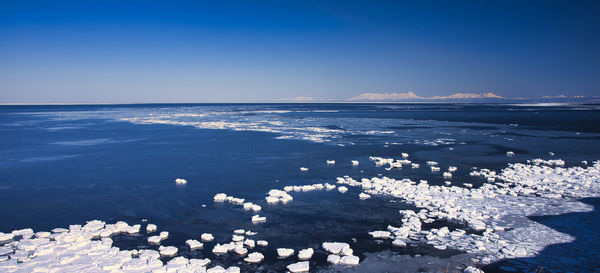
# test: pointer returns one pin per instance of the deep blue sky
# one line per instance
(204, 51)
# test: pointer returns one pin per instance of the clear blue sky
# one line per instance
(204, 51)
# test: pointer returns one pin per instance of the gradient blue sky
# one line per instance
(209, 51)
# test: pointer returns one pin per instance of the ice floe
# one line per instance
(521, 189)
(299, 267)
(285, 252)
(180, 181)
(306, 254)
(194, 244)
(207, 237)
(254, 257)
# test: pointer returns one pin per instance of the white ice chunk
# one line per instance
(258, 219)
(194, 244)
(206, 237)
(151, 228)
(285, 252)
(306, 254)
(254, 257)
(167, 250)
(180, 181)
(334, 248)
(299, 267)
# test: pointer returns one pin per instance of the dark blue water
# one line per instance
(62, 165)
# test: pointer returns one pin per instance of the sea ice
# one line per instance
(380, 234)
(262, 243)
(363, 196)
(220, 249)
(306, 254)
(167, 250)
(254, 257)
(220, 197)
(333, 259)
(258, 219)
(154, 239)
(298, 267)
(354, 162)
(206, 237)
(180, 181)
(349, 260)
(285, 252)
(334, 248)
(194, 244)
(151, 228)
(330, 162)
(342, 189)
(303, 169)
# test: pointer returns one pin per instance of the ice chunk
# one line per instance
(206, 237)
(199, 262)
(510, 153)
(237, 238)
(220, 249)
(380, 234)
(23, 232)
(334, 248)
(306, 254)
(254, 257)
(303, 169)
(333, 259)
(233, 269)
(180, 181)
(414, 166)
(354, 162)
(151, 228)
(249, 243)
(216, 269)
(404, 155)
(262, 243)
(285, 252)
(167, 251)
(330, 162)
(435, 169)
(342, 189)
(298, 267)
(220, 197)
(471, 269)
(398, 243)
(164, 235)
(6, 237)
(194, 244)
(349, 260)
(258, 219)
(363, 196)
(154, 240)
(240, 250)
(447, 175)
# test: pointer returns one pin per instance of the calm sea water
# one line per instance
(62, 165)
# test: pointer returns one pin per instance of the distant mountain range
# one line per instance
(413, 96)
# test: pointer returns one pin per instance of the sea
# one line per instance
(67, 164)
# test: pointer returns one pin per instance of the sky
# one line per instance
(250, 51)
